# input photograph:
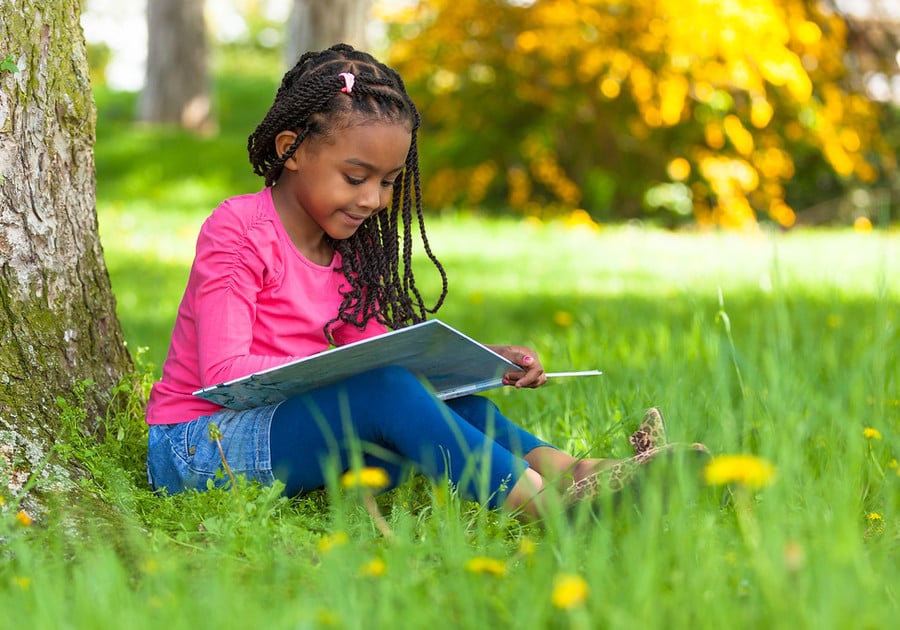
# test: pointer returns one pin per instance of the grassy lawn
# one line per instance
(780, 346)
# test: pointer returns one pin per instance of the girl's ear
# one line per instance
(283, 142)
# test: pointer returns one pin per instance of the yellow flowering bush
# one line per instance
(588, 104)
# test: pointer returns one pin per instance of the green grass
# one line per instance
(779, 345)
(813, 323)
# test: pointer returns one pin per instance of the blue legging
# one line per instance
(394, 420)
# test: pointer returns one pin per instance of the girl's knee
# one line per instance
(476, 409)
(391, 378)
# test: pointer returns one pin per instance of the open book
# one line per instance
(452, 363)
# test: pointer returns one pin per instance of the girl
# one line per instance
(317, 258)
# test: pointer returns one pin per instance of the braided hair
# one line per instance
(310, 101)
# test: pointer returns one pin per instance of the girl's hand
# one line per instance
(527, 359)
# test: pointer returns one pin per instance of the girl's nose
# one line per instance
(371, 196)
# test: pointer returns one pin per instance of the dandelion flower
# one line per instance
(369, 477)
(375, 567)
(329, 542)
(569, 591)
(490, 566)
(747, 470)
(327, 618)
(22, 582)
(872, 434)
(527, 546)
(873, 516)
(23, 518)
(794, 556)
(563, 318)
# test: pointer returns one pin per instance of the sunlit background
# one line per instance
(727, 114)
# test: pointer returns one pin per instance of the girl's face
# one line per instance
(333, 184)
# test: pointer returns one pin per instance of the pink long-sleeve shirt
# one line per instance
(252, 302)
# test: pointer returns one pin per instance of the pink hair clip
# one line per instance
(349, 80)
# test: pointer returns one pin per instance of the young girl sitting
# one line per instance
(317, 258)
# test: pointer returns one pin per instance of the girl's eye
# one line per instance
(359, 181)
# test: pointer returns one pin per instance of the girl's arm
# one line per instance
(533, 375)
(228, 274)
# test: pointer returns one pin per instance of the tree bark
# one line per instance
(177, 86)
(318, 24)
(58, 323)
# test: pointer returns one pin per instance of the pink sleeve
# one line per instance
(229, 273)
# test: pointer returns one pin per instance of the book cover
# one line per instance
(452, 363)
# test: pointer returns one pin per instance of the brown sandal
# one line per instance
(649, 443)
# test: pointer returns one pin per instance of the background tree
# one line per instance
(177, 86)
(58, 324)
(317, 24)
(720, 111)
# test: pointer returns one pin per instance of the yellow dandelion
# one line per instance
(563, 318)
(329, 542)
(375, 567)
(328, 618)
(527, 546)
(794, 555)
(747, 470)
(22, 582)
(569, 591)
(873, 516)
(872, 434)
(24, 519)
(490, 566)
(369, 477)
(892, 463)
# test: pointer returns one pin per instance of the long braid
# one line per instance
(378, 270)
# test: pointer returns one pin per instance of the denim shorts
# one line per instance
(183, 457)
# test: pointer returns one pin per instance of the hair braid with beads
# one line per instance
(310, 101)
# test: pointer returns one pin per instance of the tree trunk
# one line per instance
(177, 87)
(58, 324)
(318, 24)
